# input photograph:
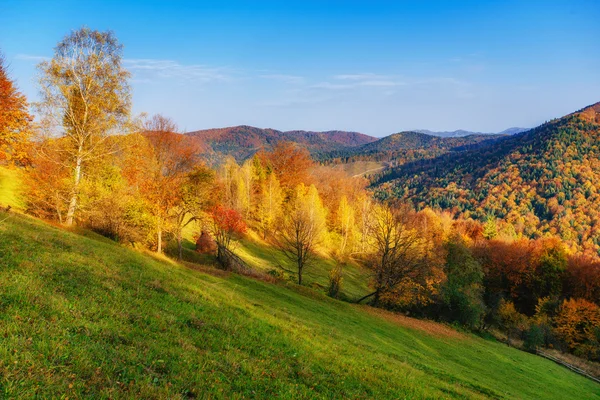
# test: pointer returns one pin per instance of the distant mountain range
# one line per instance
(462, 133)
(244, 141)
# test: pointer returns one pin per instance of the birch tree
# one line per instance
(85, 98)
(302, 227)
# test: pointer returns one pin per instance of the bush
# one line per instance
(534, 338)
(335, 281)
(275, 273)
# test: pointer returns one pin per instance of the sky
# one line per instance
(375, 67)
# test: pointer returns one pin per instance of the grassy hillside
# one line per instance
(10, 184)
(264, 257)
(259, 255)
(82, 317)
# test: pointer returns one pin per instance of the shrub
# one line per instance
(534, 338)
(335, 281)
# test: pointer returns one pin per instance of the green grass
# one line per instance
(10, 184)
(86, 318)
(262, 256)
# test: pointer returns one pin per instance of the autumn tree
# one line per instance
(582, 278)
(291, 163)
(398, 251)
(269, 204)
(513, 322)
(227, 224)
(301, 227)
(363, 210)
(85, 98)
(345, 222)
(198, 192)
(48, 182)
(14, 118)
(170, 159)
(578, 326)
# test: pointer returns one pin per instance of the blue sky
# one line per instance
(375, 67)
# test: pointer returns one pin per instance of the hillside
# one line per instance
(84, 317)
(405, 147)
(541, 181)
(242, 142)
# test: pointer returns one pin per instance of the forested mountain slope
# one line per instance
(403, 147)
(242, 142)
(545, 180)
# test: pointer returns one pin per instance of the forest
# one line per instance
(494, 237)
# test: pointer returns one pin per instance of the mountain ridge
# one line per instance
(463, 133)
(243, 141)
(541, 181)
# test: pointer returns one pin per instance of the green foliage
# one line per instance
(534, 338)
(463, 290)
(490, 229)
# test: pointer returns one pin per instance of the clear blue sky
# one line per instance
(375, 67)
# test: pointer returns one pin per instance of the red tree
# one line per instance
(227, 224)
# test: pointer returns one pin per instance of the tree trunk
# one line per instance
(75, 194)
(365, 297)
(159, 238)
(300, 272)
(376, 299)
(179, 244)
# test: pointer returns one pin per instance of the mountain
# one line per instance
(400, 148)
(243, 141)
(461, 132)
(542, 181)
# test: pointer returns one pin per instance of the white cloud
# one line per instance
(173, 69)
(30, 57)
(353, 81)
(292, 79)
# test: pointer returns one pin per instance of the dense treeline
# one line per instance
(142, 183)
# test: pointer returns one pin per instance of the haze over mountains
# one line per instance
(461, 132)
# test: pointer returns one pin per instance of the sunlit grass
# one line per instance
(86, 318)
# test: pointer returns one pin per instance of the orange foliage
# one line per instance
(291, 163)
(578, 324)
(14, 119)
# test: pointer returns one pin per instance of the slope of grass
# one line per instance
(85, 318)
(263, 256)
(10, 184)
(260, 255)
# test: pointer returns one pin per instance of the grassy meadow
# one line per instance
(81, 317)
